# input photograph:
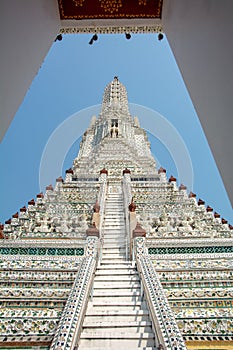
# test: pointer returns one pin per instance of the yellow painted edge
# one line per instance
(210, 345)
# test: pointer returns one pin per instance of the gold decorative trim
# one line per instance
(78, 2)
(110, 6)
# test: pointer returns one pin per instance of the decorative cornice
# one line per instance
(111, 29)
(37, 243)
(189, 242)
(194, 257)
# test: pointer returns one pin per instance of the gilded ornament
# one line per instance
(78, 2)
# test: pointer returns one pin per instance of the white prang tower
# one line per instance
(115, 256)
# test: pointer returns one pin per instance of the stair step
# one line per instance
(116, 266)
(129, 333)
(119, 272)
(114, 234)
(114, 209)
(113, 251)
(113, 223)
(114, 220)
(113, 228)
(114, 201)
(114, 258)
(116, 278)
(116, 300)
(114, 212)
(118, 346)
(122, 312)
(110, 245)
(112, 304)
(114, 245)
(118, 231)
(114, 240)
(116, 285)
(114, 292)
(113, 231)
(126, 326)
(108, 262)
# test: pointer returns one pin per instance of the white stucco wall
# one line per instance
(200, 33)
(28, 29)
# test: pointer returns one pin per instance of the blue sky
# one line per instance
(72, 78)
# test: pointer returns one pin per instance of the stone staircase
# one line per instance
(116, 316)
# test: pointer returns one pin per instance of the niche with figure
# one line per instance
(114, 128)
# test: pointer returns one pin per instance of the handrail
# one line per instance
(73, 313)
(102, 200)
(163, 319)
(126, 189)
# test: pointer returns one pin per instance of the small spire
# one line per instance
(1, 231)
(92, 231)
(59, 179)
(139, 231)
(172, 179)
(126, 171)
(132, 206)
(200, 202)
(104, 171)
(162, 170)
(69, 171)
(96, 207)
(23, 209)
(192, 195)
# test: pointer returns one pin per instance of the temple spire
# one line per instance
(115, 97)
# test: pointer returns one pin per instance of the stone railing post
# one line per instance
(132, 225)
(102, 197)
(168, 336)
(100, 215)
(127, 197)
(70, 324)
